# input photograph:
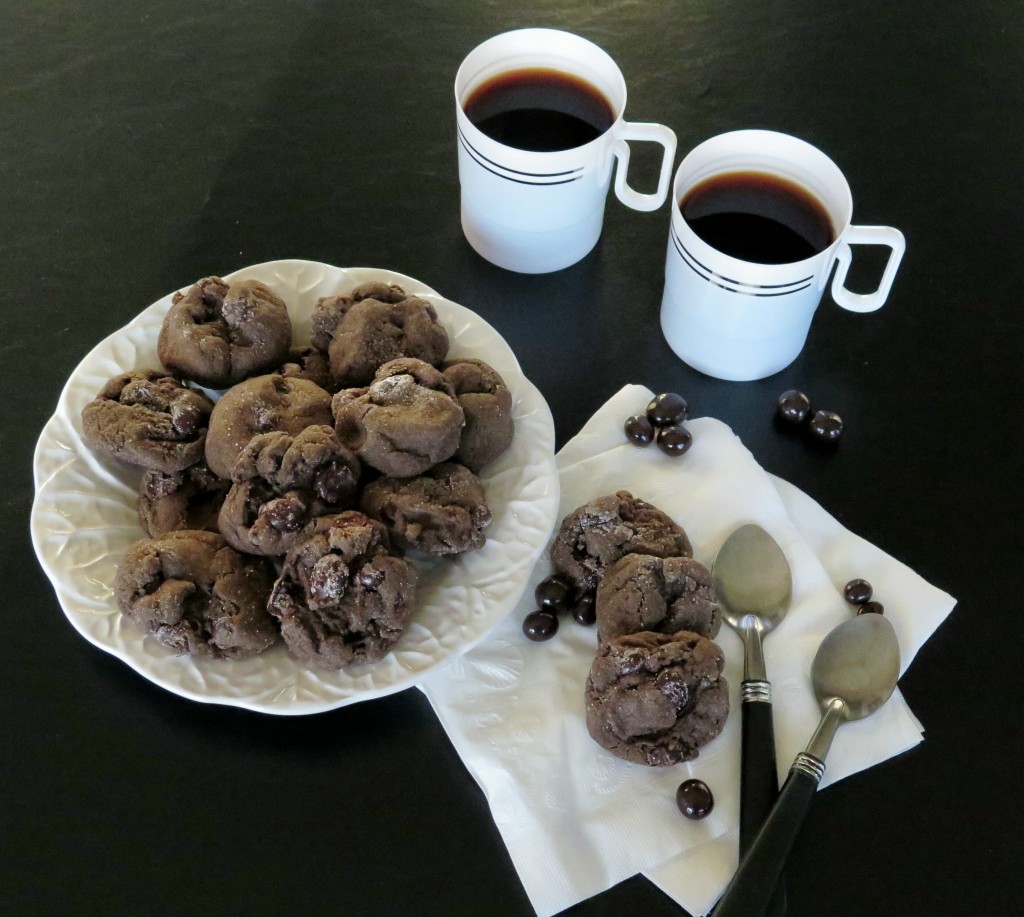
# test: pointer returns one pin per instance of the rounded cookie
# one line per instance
(188, 499)
(220, 334)
(406, 422)
(443, 511)
(656, 699)
(196, 594)
(487, 404)
(329, 309)
(369, 332)
(261, 405)
(150, 419)
(595, 535)
(283, 481)
(342, 596)
(663, 594)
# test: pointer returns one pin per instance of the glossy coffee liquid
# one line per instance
(758, 217)
(540, 110)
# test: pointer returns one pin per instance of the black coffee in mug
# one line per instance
(758, 217)
(539, 109)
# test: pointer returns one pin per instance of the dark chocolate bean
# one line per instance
(793, 407)
(694, 799)
(857, 591)
(540, 625)
(639, 430)
(667, 409)
(674, 440)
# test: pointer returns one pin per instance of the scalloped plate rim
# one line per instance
(529, 393)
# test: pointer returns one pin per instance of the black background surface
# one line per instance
(143, 147)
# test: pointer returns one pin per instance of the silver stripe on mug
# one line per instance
(719, 281)
(481, 159)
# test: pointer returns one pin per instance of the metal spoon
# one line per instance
(854, 672)
(755, 585)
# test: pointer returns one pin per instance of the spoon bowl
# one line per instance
(753, 578)
(858, 663)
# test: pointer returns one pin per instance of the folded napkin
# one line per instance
(577, 820)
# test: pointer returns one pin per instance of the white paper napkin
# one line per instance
(577, 820)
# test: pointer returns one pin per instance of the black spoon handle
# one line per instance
(754, 883)
(759, 782)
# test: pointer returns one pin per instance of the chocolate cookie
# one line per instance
(342, 596)
(283, 481)
(656, 698)
(443, 511)
(188, 499)
(594, 536)
(365, 331)
(329, 309)
(150, 419)
(219, 334)
(261, 405)
(640, 592)
(196, 594)
(406, 422)
(311, 364)
(487, 404)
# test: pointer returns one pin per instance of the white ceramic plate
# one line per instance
(84, 517)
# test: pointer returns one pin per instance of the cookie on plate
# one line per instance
(595, 535)
(261, 405)
(189, 499)
(309, 363)
(219, 333)
(406, 421)
(150, 419)
(442, 511)
(662, 594)
(329, 310)
(196, 594)
(366, 332)
(656, 699)
(343, 596)
(281, 483)
(487, 404)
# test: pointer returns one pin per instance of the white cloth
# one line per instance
(576, 819)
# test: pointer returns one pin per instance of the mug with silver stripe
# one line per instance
(739, 320)
(536, 212)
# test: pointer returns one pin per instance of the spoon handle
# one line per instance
(759, 782)
(754, 883)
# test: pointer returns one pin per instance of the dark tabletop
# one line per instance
(141, 149)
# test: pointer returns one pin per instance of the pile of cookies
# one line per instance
(655, 693)
(285, 508)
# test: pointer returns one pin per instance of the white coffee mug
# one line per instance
(738, 320)
(535, 212)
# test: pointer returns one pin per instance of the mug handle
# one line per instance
(867, 235)
(635, 130)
